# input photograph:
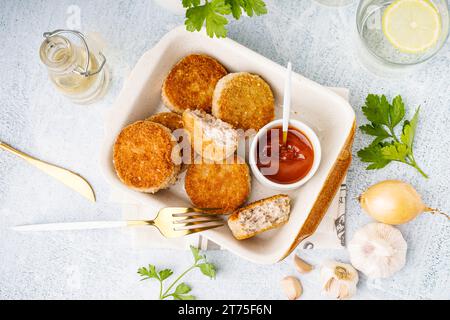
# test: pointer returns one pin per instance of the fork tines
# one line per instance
(196, 220)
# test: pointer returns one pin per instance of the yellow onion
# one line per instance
(394, 202)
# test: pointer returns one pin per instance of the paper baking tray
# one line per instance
(328, 114)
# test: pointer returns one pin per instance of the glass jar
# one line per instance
(75, 71)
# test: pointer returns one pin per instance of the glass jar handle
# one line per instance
(81, 36)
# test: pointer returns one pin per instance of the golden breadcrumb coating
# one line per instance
(218, 186)
(170, 120)
(244, 100)
(143, 157)
(190, 84)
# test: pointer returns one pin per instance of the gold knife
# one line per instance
(70, 179)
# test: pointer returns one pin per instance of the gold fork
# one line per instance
(171, 223)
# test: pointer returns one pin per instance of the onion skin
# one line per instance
(392, 202)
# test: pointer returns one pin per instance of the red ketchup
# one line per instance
(285, 164)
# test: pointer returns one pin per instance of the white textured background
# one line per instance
(79, 265)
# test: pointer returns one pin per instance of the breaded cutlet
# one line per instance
(170, 120)
(145, 157)
(244, 100)
(218, 186)
(191, 82)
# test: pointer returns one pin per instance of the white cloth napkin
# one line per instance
(329, 235)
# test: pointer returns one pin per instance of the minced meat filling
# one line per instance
(262, 217)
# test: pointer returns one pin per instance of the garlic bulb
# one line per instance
(378, 250)
(339, 280)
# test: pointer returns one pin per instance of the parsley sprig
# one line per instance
(182, 290)
(387, 147)
(212, 14)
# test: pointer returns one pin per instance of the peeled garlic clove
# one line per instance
(378, 250)
(339, 280)
(302, 266)
(292, 288)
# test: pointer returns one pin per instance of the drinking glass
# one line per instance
(375, 44)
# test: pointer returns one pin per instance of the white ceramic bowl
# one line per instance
(312, 137)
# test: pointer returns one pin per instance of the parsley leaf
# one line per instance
(396, 111)
(190, 3)
(395, 152)
(375, 130)
(195, 17)
(164, 274)
(374, 156)
(387, 147)
(182, 289)
(376, 109)
(208, 269)
(149, 273)
(212, 14)
(251, 7)
(236, 9)
(196, 253)
(183, 297)
(409, 130)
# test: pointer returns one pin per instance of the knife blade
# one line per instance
(72, 180)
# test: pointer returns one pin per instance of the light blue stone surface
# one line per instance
(86, 265)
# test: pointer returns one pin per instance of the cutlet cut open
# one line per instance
(210, 137)
(259, 217)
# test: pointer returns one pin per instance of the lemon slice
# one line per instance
(412, 26)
